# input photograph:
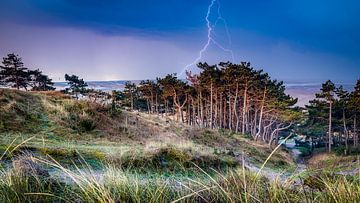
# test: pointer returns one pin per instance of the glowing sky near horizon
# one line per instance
(121, 40)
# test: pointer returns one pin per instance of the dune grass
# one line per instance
(82, 183)
(117, 185)
(60, 150)
(64, 126)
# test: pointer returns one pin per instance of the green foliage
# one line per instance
(76, 85)
(327, 91)
(13, 73)
(80, 118)
(341, 106)
(173, 159)
(305, 151)
(87, 124)
(40, 82)
(340, 151)
(131, 94)
(355, 98)
(117, 99)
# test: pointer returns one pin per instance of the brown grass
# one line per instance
(65, 117)
(333, 161)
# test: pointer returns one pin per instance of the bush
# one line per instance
(352, 150)
(86, 124)
(173, 159)
(58, 152)
(340, 150)
(81, 123)
(305, 151)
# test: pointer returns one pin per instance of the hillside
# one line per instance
(62, 124)
(57, 149)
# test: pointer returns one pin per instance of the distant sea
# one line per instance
(304, 91)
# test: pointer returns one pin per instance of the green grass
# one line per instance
(66, 125)
(117, 185)
(93, 155)
(144, 180)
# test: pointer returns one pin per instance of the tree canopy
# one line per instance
(232, 96)
(334, 114)
(77, 85)
(14, 74)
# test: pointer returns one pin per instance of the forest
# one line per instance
(237, 97)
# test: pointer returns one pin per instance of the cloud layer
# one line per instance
(293, 40)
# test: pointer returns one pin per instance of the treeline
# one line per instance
(333, 117)
(230, 96)
(14, 74)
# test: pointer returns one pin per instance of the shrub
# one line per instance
(173, 159)
(305, 151)
(339, 150)
(86, 124)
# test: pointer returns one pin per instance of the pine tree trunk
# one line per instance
(346, 134)
(17, 80)
(330, 119)
(193, 119)
(156, 104)
(216, 110)
(148, 106)
(188, 113)
(211, 105)
(261, 115)
(235, 108)
(166, 106)
(132, 103)
(220, 111)
(201, 110)
(253, 131)
(224, 112)
(206, 116)
(152, 103)
(356, 137)
(244, 111)
(230, 113)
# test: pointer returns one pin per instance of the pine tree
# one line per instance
(354, 106)
(130, 92)
(342, 103)
(175, 90)
(149, 91)
(232, 96)
(209, 78)
(40, 82)
(327, 94)
(116, 98)
(77, 86)
(13, 73)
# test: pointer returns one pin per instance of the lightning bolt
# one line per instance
(210, 39)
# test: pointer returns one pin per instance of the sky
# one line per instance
(295, 41)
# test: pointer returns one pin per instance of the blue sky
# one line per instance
(128, 39)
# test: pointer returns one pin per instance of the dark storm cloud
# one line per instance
(288, 38)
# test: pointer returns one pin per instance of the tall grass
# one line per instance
(112, 184)
(117, 185)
